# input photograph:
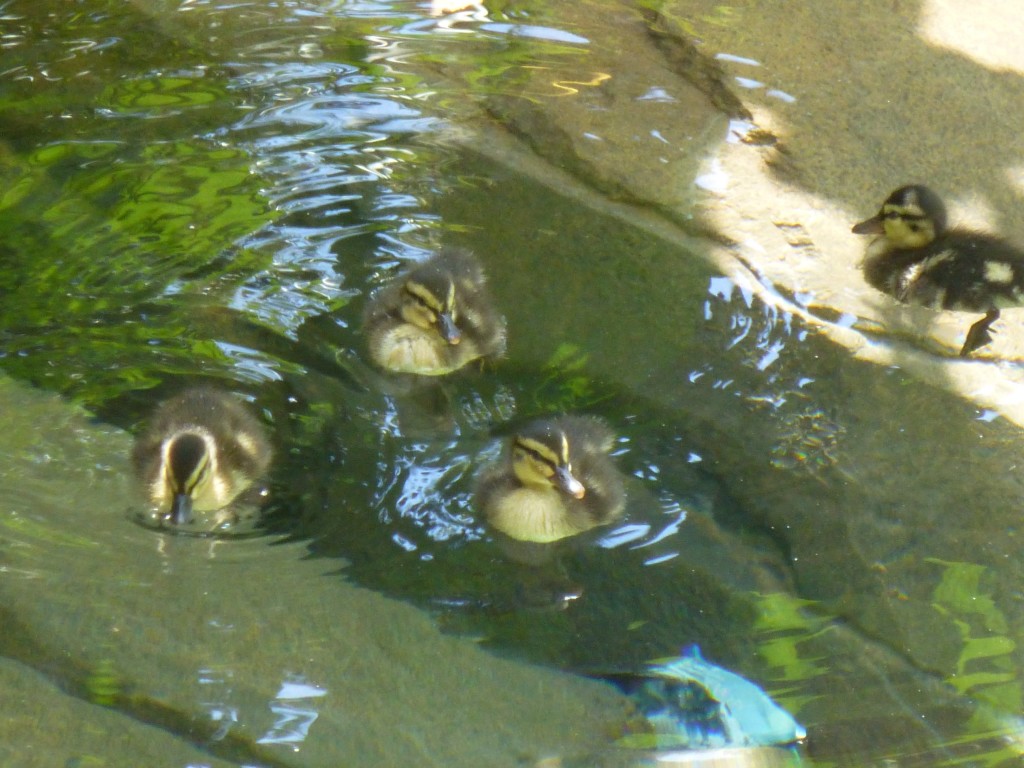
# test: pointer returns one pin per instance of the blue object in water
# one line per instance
(694, 704)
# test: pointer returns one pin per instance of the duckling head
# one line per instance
(189, 461)
(434, 318)
(540, 459)
(429, 302)
(911, 217)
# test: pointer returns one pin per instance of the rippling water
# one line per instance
(204, 192)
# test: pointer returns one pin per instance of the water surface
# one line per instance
(206, 193)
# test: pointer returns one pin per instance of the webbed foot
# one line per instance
(980, 333)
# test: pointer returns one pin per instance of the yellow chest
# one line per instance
(530, 514)
(409, 349)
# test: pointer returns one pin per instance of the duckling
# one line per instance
(201, 450)
(917, 260)
(555, 480)
(434, 318)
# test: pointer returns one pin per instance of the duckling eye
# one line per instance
(421, 302)
(529, 453)
(914, 222)
(523, 452)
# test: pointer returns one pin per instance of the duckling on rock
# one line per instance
(435, 318)
(554, 480)
(917, 260)
(200, 450)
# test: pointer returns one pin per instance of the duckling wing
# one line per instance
(587, 434)
(605, 498)
(968, 271)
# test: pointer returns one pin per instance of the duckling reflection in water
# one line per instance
(917, 260)
(555, 480)
(434, 318)
(200, 451)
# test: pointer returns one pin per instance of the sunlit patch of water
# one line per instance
(331, 138)
(425, 488)
(653, 534)
(295, 710)
(771, 332)
(217, 683)
(469, 17)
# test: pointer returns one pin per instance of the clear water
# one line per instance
(208, 193)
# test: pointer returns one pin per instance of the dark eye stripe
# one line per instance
(417, 297)
(422, 302)
(536, 455)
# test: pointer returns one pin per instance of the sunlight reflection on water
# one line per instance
(340, 172)
(295, 711)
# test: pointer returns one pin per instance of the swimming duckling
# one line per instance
(201, 450)
(918, 261)
(434, 318)
(554, 481)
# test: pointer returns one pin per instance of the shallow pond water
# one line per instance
(207, 193)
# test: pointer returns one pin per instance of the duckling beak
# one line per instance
(181, 509)
(568, 483)
(872, 226)
(449, 331)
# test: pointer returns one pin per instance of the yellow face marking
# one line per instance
(536, 464)
(424, 296)
(533, 462)
(424, 309)
(420, 307)
(450, 304)
(907, 226)
(537, 451)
